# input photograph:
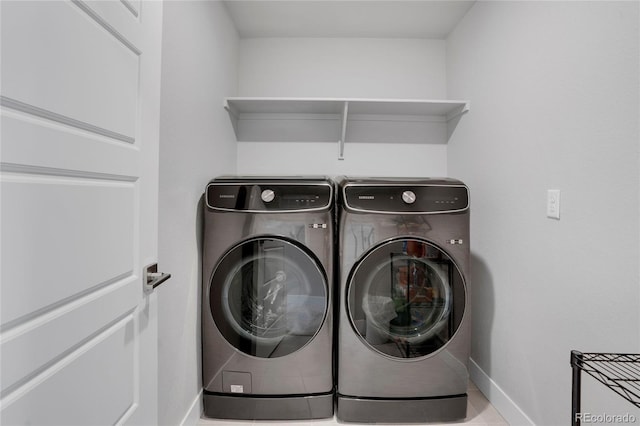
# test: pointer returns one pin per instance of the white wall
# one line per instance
(554, 90)
(200, 50)
(342, 67)
(360, 159)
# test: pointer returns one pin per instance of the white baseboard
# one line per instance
(195, 412)
(497, 397)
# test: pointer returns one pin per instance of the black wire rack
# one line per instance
(618, 372)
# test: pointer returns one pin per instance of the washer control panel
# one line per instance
(266, 196)
(406, 198)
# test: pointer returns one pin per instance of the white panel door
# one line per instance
(80, 93)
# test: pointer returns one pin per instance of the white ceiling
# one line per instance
(347, 18)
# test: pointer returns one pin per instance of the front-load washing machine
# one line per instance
(404, 320)
(267, 311)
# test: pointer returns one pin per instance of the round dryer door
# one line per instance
(406, 298)
(268, 297)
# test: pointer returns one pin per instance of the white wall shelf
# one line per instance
(344, 120)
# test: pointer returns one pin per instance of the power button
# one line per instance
(409, 197)
(267, 195)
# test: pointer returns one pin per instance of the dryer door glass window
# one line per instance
(268, 297)
(406, 298)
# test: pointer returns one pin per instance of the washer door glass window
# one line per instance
(406, 298)
(268, 297)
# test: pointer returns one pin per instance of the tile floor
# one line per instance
(479, 413)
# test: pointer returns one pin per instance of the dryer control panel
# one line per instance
(268, 196)
(396, 198)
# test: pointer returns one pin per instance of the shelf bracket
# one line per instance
(343, 133)
(458, 112)
(233, 116)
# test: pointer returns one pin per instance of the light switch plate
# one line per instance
(553, 203)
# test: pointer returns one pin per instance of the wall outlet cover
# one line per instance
(553, 203)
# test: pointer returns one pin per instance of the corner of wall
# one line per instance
(200, 61)
(507, 408)
(195, 411)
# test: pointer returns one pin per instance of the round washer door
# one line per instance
(268, 297)
(406, 298)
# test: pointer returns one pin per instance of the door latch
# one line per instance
(152, 278)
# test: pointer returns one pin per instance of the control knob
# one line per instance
(409, 197)
(267, 195)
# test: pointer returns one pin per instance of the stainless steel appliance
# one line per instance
(404, 320)
(267, 311)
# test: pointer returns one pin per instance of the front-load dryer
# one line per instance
(404, 320)
(267, 311)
